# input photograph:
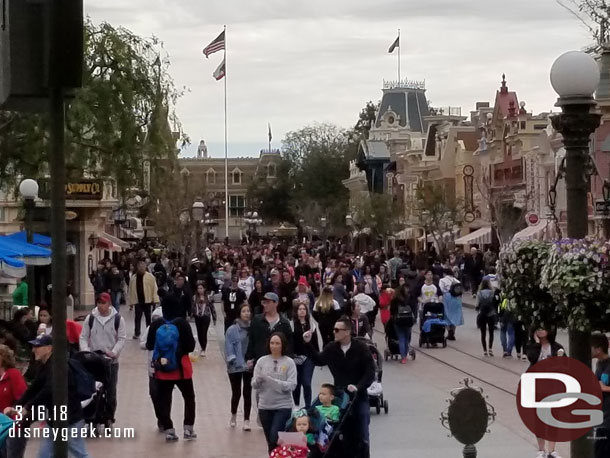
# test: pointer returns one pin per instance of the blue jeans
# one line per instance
(76, 445)
(404, 340)
(274, 421)
(116, 299)
(304, 376)
(507, 337)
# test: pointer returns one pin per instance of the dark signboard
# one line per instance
(85, 189)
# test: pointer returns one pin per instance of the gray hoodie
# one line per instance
(102, 336)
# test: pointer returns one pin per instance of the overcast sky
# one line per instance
(297, 62)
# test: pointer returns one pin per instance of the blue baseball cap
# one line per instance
(41, 341)
(271, 297)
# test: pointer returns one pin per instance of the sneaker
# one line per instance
(491, 353)
(233, 421)
(247, 425)
(485, 353)
(506, 355)
(189, 434)
(524, 358)
(135, 337)
(403, 361)
(202, 353)
(518, 355)
(554, 455)
(541, 454)
(170, 436)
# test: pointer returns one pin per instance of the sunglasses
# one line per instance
(335, 330)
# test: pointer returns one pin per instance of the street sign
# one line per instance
(600, 207)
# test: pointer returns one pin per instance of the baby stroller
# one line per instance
(375, 391)
(392, 350)
(96, 410)
(432, 325)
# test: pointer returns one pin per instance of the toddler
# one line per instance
(327, 408)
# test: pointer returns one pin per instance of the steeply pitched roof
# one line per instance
(409, 104)
(505, 101)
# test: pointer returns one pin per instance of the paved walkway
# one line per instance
(212, 390)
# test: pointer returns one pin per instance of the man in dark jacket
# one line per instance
(473, 268)
(99, 279)
(40, 395)
(287, 288)
(182, 291)
(263, 326)
(353, 369)
(232, 298)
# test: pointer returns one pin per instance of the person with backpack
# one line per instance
(104, 332)
(171, 340)
(403, 313)
(39, 396)
(487, 314)
(452, 291)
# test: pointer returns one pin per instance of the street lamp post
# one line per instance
(28, 189)
(252, 221)
(575, 77)
(197, 211)
(324, 223)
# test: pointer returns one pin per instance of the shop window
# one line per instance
(237, 206)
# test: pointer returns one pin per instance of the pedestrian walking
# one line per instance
(366, 303)
(275, 378)
(232, 298)
(153, 390)
(507, 329)
(39, 396)
(352, 367)
(105, 332)
(360, 322)
(263, 326)
(326, 311)
(599, 351)
(171, 341)
(183, 292)
(12, 387)
(204, 313)
(301, 322)
(542, 347)
(486, 317)
(240, 377)
(452, 291)
(99, 279)
(404, 315)
(256, 297)
(142, 295)
(116, 281)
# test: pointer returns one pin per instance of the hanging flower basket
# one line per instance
(520, 268)
(577, 275)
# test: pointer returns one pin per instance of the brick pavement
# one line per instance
(216, 439)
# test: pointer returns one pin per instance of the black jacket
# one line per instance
(40, 393)
(115, 282)
(232, 299)
(533, 350)
(356, 367)
(260, 331)
(185, 298)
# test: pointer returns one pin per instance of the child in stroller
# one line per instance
(96, 410)
(433, 325)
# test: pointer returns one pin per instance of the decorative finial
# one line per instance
(504, 88)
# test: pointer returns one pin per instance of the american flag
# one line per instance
(217, 45)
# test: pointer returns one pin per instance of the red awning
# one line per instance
(104, 244)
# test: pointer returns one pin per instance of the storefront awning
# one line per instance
(447, 236)
(110, 242)
(407, 234)
(479, 237)
(535, 232)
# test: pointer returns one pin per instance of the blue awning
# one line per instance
(11, 266)
(37, 239)
(33, 255)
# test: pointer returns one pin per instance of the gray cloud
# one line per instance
(293, 62)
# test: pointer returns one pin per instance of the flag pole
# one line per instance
(399, 55)
(226, 146)
(269, 137)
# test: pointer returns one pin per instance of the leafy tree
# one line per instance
(366, 119)
(379, 212)
(438, 212)
(594, 15)
(274, 200)
(119, 118)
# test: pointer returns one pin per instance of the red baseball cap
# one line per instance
(104, 298)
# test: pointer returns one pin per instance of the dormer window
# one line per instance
(271, 170)
(210, 176)
(236, 174)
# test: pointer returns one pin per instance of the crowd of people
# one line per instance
(286, 309)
